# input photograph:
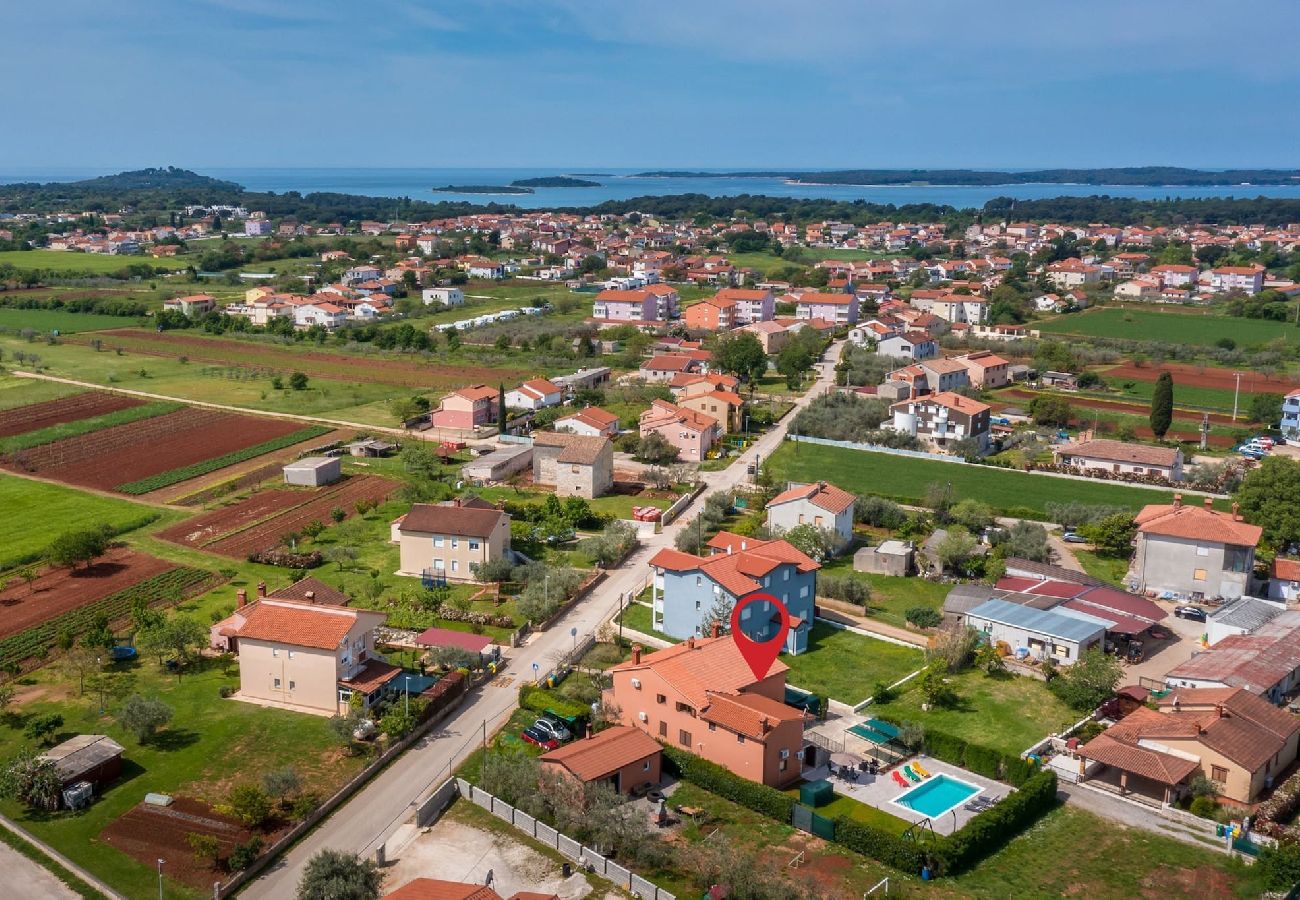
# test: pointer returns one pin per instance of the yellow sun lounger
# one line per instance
(916, 767)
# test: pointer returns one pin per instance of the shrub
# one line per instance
(225, 691)
(715, 779)
(143, 716)
(1205, 807)
(1280, 866)
(244, 854)
(891, 849)
(250, 804)
(1017, 771)
(989, 831)
(924, 617)
(982, 760)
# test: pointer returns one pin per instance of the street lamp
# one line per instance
(160, 881)
(407, 706)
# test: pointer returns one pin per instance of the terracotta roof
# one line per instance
(593, 416)
(462, 521)
(1196, 523)
(745, 713)
(445, 637)
(820, 494)
(436, 889)
(603, 754)
(1286, 569)
(826, 299)
(476, 392)
(1160, 767)
(540, 387)
(1256, 661)
(1120, 451)
(949, 399)
(321, 593)
(302, 625)
(661, 413)
(943, 366)
(373, 675)
(740, 565)
(579, 449)
(1234, 722)
(669, 362)
(698, 666)
(742, 294)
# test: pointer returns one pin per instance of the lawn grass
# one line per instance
(36, 512)
(16, 392)
(848, 808)
(639, 617)
(847, 666)
(1008, 713)
(1071, 852)
(1109, 569)
(62, 321)
(63, 430)
(905, 479)
(84, 263)
(617, 505)
(1202, 327)
(891, 595)
(1185, 396)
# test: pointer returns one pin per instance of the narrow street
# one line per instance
(372, 816)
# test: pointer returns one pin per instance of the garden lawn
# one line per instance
(847, 666)
(1071, 852)
(848, 808)
(210, 745)
(47, 320)
(15, 391)
(891, 596)
(35, 513)
(1109, 569)
(92, 263)
(1170, 326)
(1008, 713)
(905, 479)
(638, 617)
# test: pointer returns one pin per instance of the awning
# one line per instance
(445, 637)
(1116, 623)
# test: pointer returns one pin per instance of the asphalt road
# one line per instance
(372, 815)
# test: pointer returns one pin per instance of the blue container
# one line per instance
(121, 653)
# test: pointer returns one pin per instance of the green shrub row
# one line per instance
(989, 831)
(175, 476)
(977, 758)
(64, 430)
(890, 849)
(539, 700)
(717, 780)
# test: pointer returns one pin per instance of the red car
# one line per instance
(534, 736)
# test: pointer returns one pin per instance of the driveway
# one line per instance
(24, 878)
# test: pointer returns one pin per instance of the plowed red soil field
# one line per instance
(1206, 377)
(57, 591)
(124, 453)
(261, 522)
(66, 409)
(315, 363)
(1186, 426)
(150, 833)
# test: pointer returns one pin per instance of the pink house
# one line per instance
(842, 309)
(466, 408)
(751, 305)
(626, 306)
(692, 433)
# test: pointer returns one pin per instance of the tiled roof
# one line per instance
(1255, 662)
(321, 593)
(302, 625)
(1160, 767)
(593, 416)
(462, 521)
(1286, 569)
(605, 753)
(1120, 451)
(579, 449)
(745, 713)
(436, 889)
(669, 362)
(820, 494)
(1196, 523)
(373, 675)
(696, 667)
(811, 297)
(476, 392)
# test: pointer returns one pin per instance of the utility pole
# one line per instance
(1235, 394)
(1205, 430)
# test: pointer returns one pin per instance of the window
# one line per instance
(1202, 551)
(699, 580)
(277, 684)
(645, 766)
(292, 685)
(1236, 559)
(438, 565)
(1198, 575)
(660, 698)
(683, 737)
(437, 541)
(275, 651)
(473, 543)
(455, 565)
(697, 604)
(785, 754)
(291, 654)
(740, 739)
(573, 469)
(786, 577)
(817, 520)
(803, 591)
(800, 518)
(783, 765)
(1219, 774)
(663, 729)
(455, 542)
(713, 727)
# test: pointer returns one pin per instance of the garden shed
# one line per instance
(313, 471)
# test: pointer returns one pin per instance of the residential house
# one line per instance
(192, 305)
(538, 393)
(1229, 735)
(1073, 273)
(931, 376)
(1290, 424)
(943, 419)
(667, 301)
(445, 541)
(666, 366)
(635, 306)
(772, 335)
(715, 313)
(915, 345)
(258, 227)
(1284, 580)
(447, 296)
(577, 465)
(484, 268)
(466, 408)
(307, 656)
(1058, 635)
(1249, 279)
(1137, 290)
(700, 695)
(327, 315)
(692, 433)
(986, 370)
(1195, 552)
(1120, 458)
(1173, 275)
(591, 421)
(623, 757)
(362, 272)
(751, 305)
(841, 309)
(819, 504)
(437, 889)
(721, 404)
(689, 592)
(1265, 661)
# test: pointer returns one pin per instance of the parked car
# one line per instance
(1194, 613)
(552, 729)
(1071, 537)
(1266, 442)
(1252, 452)
(532, 735)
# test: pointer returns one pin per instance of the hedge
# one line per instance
(539, 699)
(175, 476)
(978, 758)
(717, 780)
(890, 849)
(989, 831)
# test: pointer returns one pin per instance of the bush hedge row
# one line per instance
(539, 700)
(717, 780)
(989, 831)
(978, 758)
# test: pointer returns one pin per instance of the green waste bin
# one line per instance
(816, 793)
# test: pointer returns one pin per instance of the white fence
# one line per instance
(586, 857)
(874, 448)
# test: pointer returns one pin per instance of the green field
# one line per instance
(35, 513)
(1185, 396)
(93, 263)
(905, 479)
(1170, 326)
(847, 666)
(891, 595)
(47, 320)
(15, 392)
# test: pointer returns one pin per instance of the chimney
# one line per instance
(311, 596)
(765, 725)
(241, 598)
(1236, 511)
(455, 502)
(261, 589)
(1178, 500)
(728, 549)
(1218, 710)
(716, 630)
(588, 731)
(690, 642)
(1209, 503)
(636, 654)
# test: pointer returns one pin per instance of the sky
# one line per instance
(662, 84)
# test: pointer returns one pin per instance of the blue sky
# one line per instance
(670, 83)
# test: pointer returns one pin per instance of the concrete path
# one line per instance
(1134, 815)
(23, 878)
(376, 812)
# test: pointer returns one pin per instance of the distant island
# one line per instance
(481, 189)
(1147, 176)
(595, 174)
(554, 181)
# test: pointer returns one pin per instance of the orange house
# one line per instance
(701, 696)
(711, 314)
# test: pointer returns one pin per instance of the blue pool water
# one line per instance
(936, 795)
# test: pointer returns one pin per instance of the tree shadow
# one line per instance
(172, 739)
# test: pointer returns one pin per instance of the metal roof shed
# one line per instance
(313, 471)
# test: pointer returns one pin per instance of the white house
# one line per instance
(819, 504)
(915, 345)
(327, 315)
(535, 394)
(447, 296)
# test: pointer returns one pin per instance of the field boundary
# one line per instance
(207, 466)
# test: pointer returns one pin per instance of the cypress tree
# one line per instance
(501, 407)
(1162, 405)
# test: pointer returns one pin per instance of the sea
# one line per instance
(623, 184)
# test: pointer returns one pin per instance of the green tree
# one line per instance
(1279, 865)
(655, 449)
(740, 353)
(1162, 405)
(206, 847)
(974, 514)
(250, 804)
(1089, 682)
(792, 362)
(31, 781)
(955, 549)
(282, 783)
(1270, 498)
(503, 415)
(1112, 535)
(298, 381)
(815, 542)
(74, 547)
(42, 729)
(1265, 409)
(336, 875)
(143, 716)
(1053, 411)
(177, 635)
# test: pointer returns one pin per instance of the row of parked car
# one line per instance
(1256, 448)
(548, 732)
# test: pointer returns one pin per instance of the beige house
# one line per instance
(578, 465)
(445, 542)
(306, 656)
(1122, 458)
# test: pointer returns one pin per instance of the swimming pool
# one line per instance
(936, 795)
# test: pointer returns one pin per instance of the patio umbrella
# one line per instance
(849, 760)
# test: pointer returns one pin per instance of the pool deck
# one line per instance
(880, 790)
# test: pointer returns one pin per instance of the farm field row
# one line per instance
(136, 412)
(905, 479)
(45, 321)
(34, 416)
(91, 263)
(1177, 327)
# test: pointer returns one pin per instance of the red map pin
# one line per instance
(760, 656)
